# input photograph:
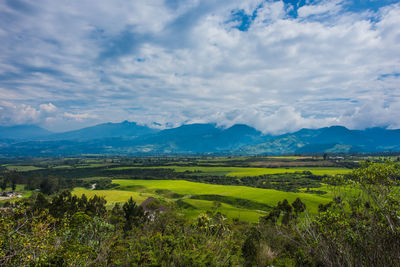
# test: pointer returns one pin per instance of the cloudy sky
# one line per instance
(275, 65)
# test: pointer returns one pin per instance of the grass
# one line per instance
(288, 157)
(242, 171)
(201, 206)
(140, 190)
(95, 165)
(112, 196)
(20, 188)
(267, 196)
(22, 168)
(230, 211)
(314, 170)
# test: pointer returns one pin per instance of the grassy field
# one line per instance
(112, 196)
(245, 171)
(21, 168)
(139, 190)
(230, 211)
(267, 196)
(243, 202)
(288, 157)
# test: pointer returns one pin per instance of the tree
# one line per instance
(298, 206)
(251, 246)
(3, 184)
(41, 202)
(117, 215)
(48, 185)
(96, 206)
(362, 228)
(13, 185)
(133, 214)
(285, 207)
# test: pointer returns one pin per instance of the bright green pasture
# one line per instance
(267, 196)
(230, 211)
(288, 157)
(201, 206)
(96, 165)
(332, 191)
(112, 196)
(315, 170)
(21, 168)
(140, 190)
(241, 171)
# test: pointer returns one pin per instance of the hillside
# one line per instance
(133, 139)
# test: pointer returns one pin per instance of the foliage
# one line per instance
(67, 230)
(362, 229)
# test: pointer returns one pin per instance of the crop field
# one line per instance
(245, 171)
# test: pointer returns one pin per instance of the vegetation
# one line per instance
(147, 222)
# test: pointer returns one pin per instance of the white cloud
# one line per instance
(48, 107)
(11, 113)
(145, 61)
(325, 7)
(79, 116)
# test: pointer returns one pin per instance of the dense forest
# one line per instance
(360, 227)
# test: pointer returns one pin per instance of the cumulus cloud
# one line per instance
(11, 114)
(175, 62)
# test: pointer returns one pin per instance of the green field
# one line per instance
(230, 211)
(246, 171)
(112, 196)
(139, 190)
(21, 168)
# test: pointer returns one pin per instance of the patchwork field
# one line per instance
(195, 184)
(21, 168)
(140, 190)
(245, 171)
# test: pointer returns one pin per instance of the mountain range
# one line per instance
(130, 138)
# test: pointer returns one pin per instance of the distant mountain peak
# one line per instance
(197, 138)
(23, 131)
(243, 128)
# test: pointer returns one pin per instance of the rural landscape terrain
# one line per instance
(200, 133)
(247, 210)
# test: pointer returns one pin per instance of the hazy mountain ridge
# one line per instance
(23, 132)
(105, 130)
(131, 138)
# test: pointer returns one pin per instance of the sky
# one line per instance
(278, 66)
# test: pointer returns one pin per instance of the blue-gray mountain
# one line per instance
(132, 139)
(23, 132)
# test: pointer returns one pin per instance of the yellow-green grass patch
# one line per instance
(230, 211)
(243, 171)
(288, 157)
(22, 168)
(112, 196)
(267, 196)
